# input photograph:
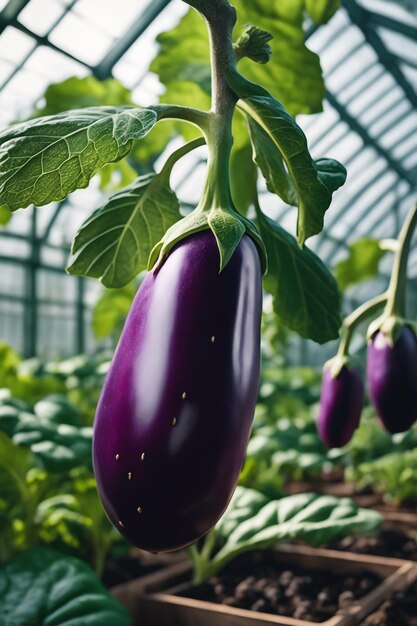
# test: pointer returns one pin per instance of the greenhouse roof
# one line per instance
(368, 53)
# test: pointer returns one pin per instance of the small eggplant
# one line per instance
(177, 405)
(391, 371)
(341, 403)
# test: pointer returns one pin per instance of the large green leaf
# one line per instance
(44, 160)
(361, 263)
(321, 11)
(306, 296)
(114, 243)
(314, 182)
(293, 74)
(57, 447)
(272, 165)
(251, 524)
(314, 518)
(57, 408)
(45, 588)
(77, 93)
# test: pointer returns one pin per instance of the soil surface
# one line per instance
(125, 568)
(400, 610)
(389, 542)
(257, 582)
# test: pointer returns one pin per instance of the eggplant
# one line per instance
(341, 403)
(391, 371)
(177, 405)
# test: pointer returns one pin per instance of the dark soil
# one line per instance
(125, 568)
(259, 583)
(400, 610)
(389, 542)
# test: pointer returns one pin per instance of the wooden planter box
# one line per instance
(151, 604)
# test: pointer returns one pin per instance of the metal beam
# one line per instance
(367, 139)
(378, 19)
(45, 236)
(145, 18)
(10, 12)
(359, 16)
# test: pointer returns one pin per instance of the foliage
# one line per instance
(361, 263)
(111, 309)
(251, 522)
(41, 586)
(45, 159)
(306, 297)
(383, 462)
(115, 242)
(23, 382)
(47, 490)
(293, 75)
(5, 216)
(289, 450)
(394, 475)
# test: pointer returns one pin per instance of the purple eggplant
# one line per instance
(341, 403)
(392, 379)
(177, 405)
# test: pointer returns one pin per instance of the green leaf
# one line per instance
(44, 160)
(114, 243)
(321, 11)
(272, 165)
(245, 503)
(293, 75)
(58, 447)
(77, 93)
(313, 518)
(15, 463)
(5, 216)
(111, 309)
(306, 296)
(46, 588)
(361, 263)
(243, 177)
(88, 91)
(314, 182)
(56, 408)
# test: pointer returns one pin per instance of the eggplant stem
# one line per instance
(355, 318)
(396, 302)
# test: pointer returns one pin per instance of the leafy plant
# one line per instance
(61, 151)
(394, 475)
(41, 586)
(252, 522)
(277, 454)
(21, 381)
(53, 433)
(361, 263)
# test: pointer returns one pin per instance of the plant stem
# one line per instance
(177, 112)
(355, 318)
(220, 17)
(178, 154)
(396, 302)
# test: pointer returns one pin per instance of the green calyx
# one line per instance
(227, 225)
(391, 326)
(336, 364)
